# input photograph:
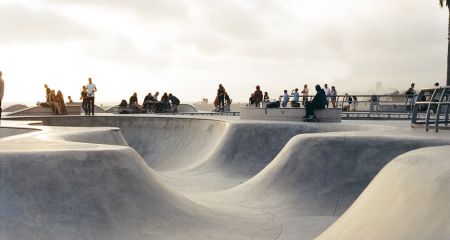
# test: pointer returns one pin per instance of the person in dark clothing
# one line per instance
(221, 97)
(257, 96)
(84, 100)
(319, 101)
(134, 103)
(165, 105)
(175, 102)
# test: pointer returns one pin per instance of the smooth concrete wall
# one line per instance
(289, 114)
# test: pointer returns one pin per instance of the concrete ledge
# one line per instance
(289, 114)
(72, 109)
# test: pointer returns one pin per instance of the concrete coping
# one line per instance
(289, 114)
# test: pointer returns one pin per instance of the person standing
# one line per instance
(221, 97)
(91, 89)
(84, 100)
(333, 96)
(327, 90)
(305, 93)
(2, 92)
(410, 97)
(257, 96)
(175, 102)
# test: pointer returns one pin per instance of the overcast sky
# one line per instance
(188, 47)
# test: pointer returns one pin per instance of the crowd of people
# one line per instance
(167, 103)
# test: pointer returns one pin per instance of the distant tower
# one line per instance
(379, 87)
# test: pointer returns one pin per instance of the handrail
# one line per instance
(437, 101)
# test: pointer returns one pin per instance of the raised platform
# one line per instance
(289, 114)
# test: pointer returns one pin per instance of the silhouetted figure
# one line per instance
(319, 101)
(165, 103)
(70, 99)
(91, 89)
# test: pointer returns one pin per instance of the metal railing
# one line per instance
(431, 108)
(367, 103)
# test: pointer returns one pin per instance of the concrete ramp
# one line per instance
(409, 199)
(67, 190)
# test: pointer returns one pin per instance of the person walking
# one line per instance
(2, 92)
(91, 89)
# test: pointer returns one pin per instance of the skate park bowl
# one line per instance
(172, 177)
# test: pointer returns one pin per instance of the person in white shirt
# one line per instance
(91, 89)
(2, 92)
(327, 93)
(305, 93)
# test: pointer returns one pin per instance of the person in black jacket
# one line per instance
(319, 101)
(175, 102)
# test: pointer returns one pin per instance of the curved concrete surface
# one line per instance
(135, 177)
(409, 199)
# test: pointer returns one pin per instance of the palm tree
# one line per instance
(446, 4)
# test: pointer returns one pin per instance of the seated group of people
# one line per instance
(151, 103)
(55, 100)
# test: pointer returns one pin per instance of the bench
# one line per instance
(289, 114)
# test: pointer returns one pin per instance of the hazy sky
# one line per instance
(188, 47)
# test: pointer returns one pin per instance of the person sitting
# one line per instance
(134, 103)
(318, 102)
(70, 99)
(175, 102)
(123, 103)
(251, 100)
(148, 101)
(296, 97)
(59, 107)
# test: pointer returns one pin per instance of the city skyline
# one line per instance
(188, 47)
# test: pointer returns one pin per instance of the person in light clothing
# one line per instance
(91, 89)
